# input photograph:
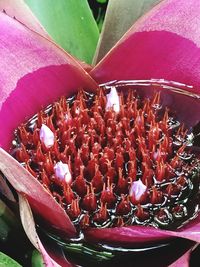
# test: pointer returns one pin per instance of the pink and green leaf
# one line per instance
(163, 44)
(34, 73)
(120, 16)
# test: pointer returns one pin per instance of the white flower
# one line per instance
(46, 136)
(137, 189)
(113, 100)
(62, 171)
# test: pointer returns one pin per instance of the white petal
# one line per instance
(62, 171)
(137, 189)
(113, 100)
(46, 136)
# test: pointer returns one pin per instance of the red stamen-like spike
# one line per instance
(79, 184)
(181, 149)
(110, 153)
(141, 214)
(63, 103)
(29, 169)
(111, 173)
(71, 147)
(160, 171)
(97, 180)
(109, 134)
(77, 164)
(129, 158)
(96, 149)
(153, 135)
(147, 177)
(85, 221)
(22, 155)
(102, 215)
(48, 164)
(107, 195)
(175, 162)
(68, 193)
(169, 171)
(102, 99)
(181, 181)
(91, 167)
(132, 170)
(24, 135)
(103, 164)
(166, 145)
(89, 201)
(132, 154)
(41, 119)
(164, 122)
(55, 151)
(39, 155)
(120, 222)
(45, 179)
(155, 103)
(156, 196)
(119, 161)
(139, 123)
(151, 118)
(35, 137)
(49, 123)
(74, 210)
(85, 153)
(127, 145)
(58, 111)
(122, 184)
(146, 107)
(172, 189)
(124, 207)
(145, 157)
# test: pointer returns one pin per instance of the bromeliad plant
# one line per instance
(106, 168)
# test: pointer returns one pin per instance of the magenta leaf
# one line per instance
(164, 44)
(34, 73)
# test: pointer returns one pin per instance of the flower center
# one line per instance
(112, 159)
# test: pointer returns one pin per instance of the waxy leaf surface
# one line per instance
(163, 44)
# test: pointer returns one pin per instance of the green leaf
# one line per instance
(6, 261)
(36, 260)
(70, 23)
(120, 16)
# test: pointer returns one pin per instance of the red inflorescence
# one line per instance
(125, 167)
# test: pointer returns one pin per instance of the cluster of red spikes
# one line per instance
(106, 152)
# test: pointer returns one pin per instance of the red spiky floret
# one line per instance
(127, 167)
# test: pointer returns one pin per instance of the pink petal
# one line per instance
(164, 44)
(34, 73)
(41, 201)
